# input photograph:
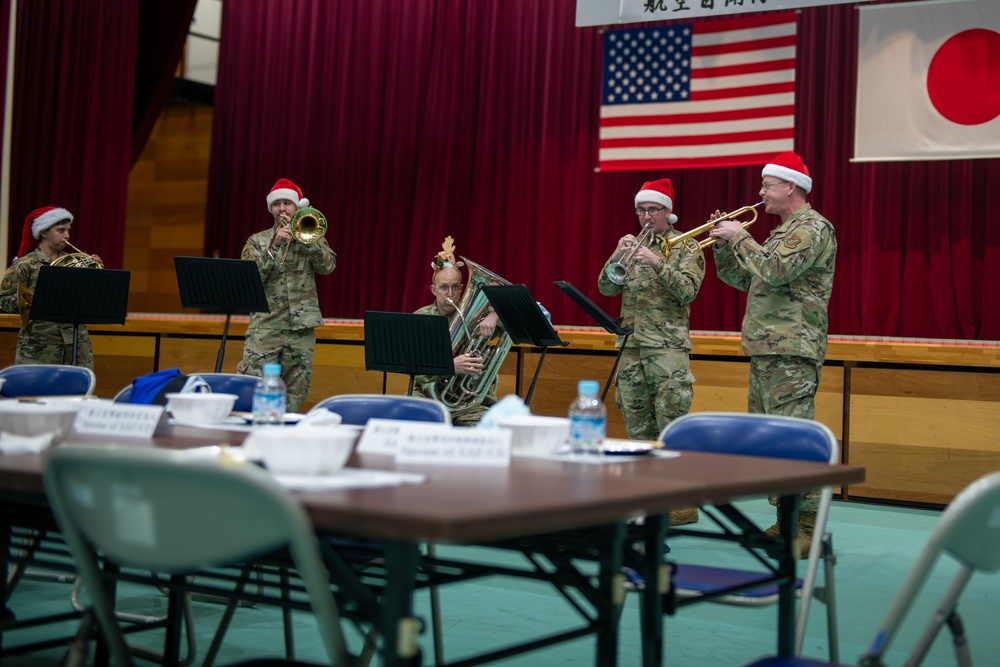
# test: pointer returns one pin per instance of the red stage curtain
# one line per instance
(408, 122)
(75, 69)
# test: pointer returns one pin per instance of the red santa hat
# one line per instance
(658, 192)
(788, 166)
(39, 221)
(285, 189)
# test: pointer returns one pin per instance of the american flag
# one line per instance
(706, 94)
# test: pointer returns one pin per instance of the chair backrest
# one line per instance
(167, 512)
(221, 383)
(47, 380)
(773, 436)
(357, 409)
(968, 531)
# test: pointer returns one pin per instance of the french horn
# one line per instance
(77, 259)
(462, 393)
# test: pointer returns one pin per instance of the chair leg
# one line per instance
(832, 632)
(436, 630)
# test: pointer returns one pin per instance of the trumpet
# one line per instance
(707, 227)
(618, 272)
(78, 259)
(307, 226)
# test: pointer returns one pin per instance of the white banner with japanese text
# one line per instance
(609, 12)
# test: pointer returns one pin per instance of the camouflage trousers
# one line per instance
(652, 387)
(785, 385)
(292, 349)
(34, 348)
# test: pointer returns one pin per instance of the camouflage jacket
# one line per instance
(789, 280)
(291, 289)
(35, 335)
(656, 303)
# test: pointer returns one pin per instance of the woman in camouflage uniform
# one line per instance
(42, 342)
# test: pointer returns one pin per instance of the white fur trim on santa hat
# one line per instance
(289, 194)
(654, 197)
(786, 174)
(49, 219)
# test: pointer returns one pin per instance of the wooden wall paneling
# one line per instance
(923, 435)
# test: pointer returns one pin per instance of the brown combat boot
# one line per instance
(804, 535)
(684, 517)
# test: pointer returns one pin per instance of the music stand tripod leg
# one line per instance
(607, 385)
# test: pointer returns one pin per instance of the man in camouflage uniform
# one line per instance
(788, 281)
(446, 286)
(42, 342)
(653, 384)
(286, 335)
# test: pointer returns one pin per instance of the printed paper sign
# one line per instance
(456, 446)
(382, 436)
(122, 419)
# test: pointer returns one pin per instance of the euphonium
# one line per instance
(618, 272)
(465, 392)
(307, 225)
(77, 259)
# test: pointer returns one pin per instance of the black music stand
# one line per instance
(222, 286)
(80, 296)
(408, 343)
(524, 322)
(603, 319)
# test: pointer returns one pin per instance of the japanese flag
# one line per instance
(928, 81)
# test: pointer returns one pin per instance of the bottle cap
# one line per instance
(272, 369)
(587, 387)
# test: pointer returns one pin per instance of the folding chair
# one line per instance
(969, 532)
(221, 383)
(163, 511)
(46, 380)
(771, 436)
(359, 408)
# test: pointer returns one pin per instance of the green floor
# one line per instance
(875, 547)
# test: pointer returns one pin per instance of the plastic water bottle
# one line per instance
(270, 398)
(588, 419)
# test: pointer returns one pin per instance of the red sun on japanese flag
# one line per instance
(963, 80)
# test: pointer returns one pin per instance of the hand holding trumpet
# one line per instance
(723, 229)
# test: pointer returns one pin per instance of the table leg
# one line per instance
(789, 514)
(612, 589)
(657, 576)
(398, 626)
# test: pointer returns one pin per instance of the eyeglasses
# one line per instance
(446, 289)
(767, 186)
(651, 211)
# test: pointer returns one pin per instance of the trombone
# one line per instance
(707, 227)
(307, 225)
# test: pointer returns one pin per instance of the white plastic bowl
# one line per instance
(536, 434)
(301, 450)
(35, 419)
(198, 408)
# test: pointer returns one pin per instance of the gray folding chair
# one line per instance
(163, 511)
(969, 532)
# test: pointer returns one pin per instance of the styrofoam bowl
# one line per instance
(301, 450)
(198, 408)
(35, 419)
(536, 434)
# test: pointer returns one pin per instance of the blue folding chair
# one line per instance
(47, 380)
(771, 436)
(969, 532)
(221, 383)
(357, 409)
